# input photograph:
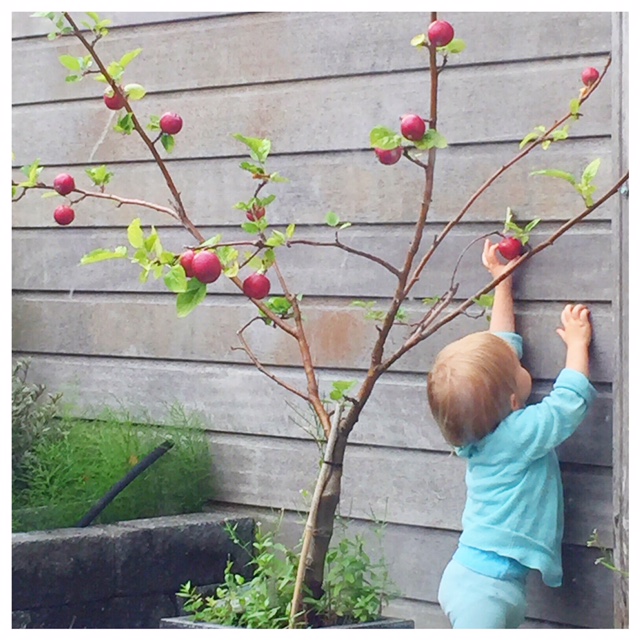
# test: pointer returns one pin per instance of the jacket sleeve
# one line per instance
(542, 427)
(513, 339)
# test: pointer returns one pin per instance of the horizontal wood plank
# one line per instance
(353, 184)
(310, 115)
(24, 25)
(339, 335)
(332, 46)
(397, 414)
(404, 487)
(329, 271)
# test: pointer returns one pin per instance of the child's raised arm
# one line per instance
(502, 316)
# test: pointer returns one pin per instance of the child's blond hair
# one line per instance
(470, 386)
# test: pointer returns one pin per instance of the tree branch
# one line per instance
(460, 309)
(452, 223)
(182, 214)
(254, 359)
(340, 245)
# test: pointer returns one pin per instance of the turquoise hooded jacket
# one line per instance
(514, 504)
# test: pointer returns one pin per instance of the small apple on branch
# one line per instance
(515, 239)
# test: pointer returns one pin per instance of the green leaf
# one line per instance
(70, 62)
(345, 225)
(590, 171)
(227, 254)
(99, 175)
(340, 387)
(154, 123)
(436, 139)
(530, 137)
(32, 171)
(290, 230)
(252, 168)
(555, 173)
(188, 300)
(176, 279)
(232, 270)
(384, 138)
(135, 91)
(115, 70)
(211, 242)
(485, 300)
(73, 78)
(127, 58)
(152, 244)
(574, 106)
(98, 255)
(430, 140)
(266, 201)
(250, 227)
(50, 194)
(419, 41)
(545, 145)
(532, 225)
(269, 259)
(332, 219)
(135, 234)
(168, 142)
(431, 301)
(259, 149)
(560, 134)
(457, 45)
(125, 124)
(276, 177)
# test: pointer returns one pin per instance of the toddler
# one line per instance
(513, 518)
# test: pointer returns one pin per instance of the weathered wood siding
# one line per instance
(315, 84)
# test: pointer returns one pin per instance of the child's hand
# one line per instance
(576, 325)
(491, 261)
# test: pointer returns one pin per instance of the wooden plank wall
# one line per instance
(315, 84)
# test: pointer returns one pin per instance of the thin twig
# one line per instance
(254, 359)
(338, 244)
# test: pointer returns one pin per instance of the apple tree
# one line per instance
(251, 261)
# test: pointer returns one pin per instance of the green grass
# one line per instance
(68, 475)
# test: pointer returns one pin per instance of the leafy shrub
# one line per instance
(33, 416)
(66, 476)
(356, 587)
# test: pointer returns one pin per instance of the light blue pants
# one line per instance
(474, 601)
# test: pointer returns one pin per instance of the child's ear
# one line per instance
(515, 403)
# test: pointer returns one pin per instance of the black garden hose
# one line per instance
(132, 474)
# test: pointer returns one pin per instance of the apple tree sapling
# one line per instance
(188, 273)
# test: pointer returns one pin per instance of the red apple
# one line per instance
(256, 286)
(186, 261)
(64, 215)
(590, 75)
(510, 247)
(170, 123)
(440, 33)
(206, 266)
(389, 156)
(412, 127)
(255, 213)
(64, 184)
(114, 101)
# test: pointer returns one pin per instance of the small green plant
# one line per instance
(66, 476)
(606, 559)
(33, 421)
(356, 588)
